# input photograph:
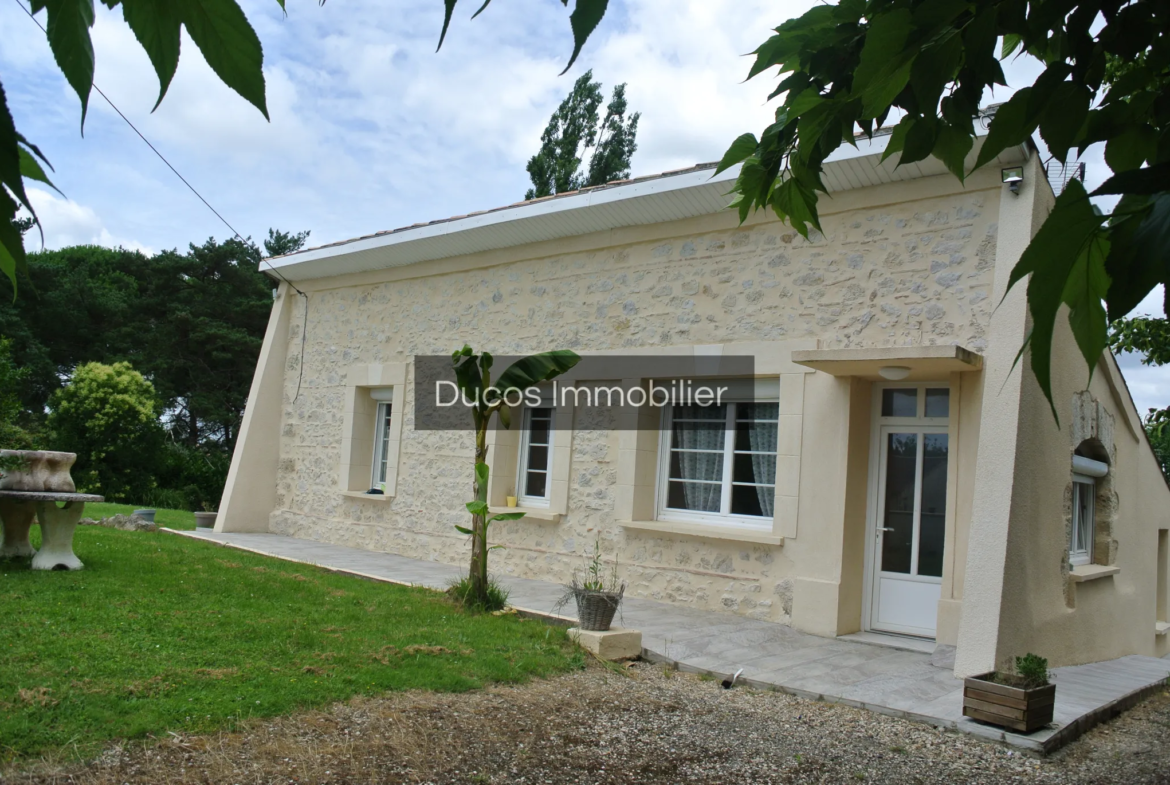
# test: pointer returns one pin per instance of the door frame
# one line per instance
(876, 487)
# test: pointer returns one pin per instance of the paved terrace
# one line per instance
(898, 682)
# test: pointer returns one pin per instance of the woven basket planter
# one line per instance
(596, 609)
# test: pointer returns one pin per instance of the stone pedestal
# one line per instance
(57, 527)
(17, 509)
(17, 519)
(613, 644)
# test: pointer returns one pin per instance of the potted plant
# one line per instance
(598, 594)
(205, 519)
(1022, 699)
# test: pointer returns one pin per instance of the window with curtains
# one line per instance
(718, 463)
(536, 440)
(381, 443)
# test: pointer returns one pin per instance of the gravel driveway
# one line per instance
(643, 725)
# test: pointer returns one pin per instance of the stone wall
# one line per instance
(911, 273)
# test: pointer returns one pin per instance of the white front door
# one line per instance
(908, 519)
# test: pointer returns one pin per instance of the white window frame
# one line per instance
(380, 464)
(524, 499)
(1082, 552)
(724, 517)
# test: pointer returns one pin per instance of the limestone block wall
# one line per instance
(916, 271)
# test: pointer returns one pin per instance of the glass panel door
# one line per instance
(910, 529)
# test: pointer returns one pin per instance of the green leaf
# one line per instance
(1084, 294)
(68, 30)
(229, 45)
(586, 16)
(920, 140)
(1150, 180)
(1064, 118)
(1131, 148)
(507, 516)
(934, 68)
(448, 10)
(477, 508)
(1050, 259)
(1133, 273)
(481, 477)
(463, 530)
(740, 149)
(536, 368)
(793, 201)
(1009, 127)
(157, 26)
(898, 137)
(12, 256)
(884, 68)
(30, 168)
(1011, 42)
(951, 147)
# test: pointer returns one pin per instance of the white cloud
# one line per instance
(66, 223)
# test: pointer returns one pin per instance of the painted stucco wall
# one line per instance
(903, 264)
(1044, 611)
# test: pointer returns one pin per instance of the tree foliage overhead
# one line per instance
(225, 38)
(850, 66)
(573, 130)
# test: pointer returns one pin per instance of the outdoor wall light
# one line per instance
(895, 373)
(1013, 176)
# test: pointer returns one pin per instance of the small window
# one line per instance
(1084, 502)
(381, 443)
(938, 402)
(536, 441)
(900, 402)
(720, 462)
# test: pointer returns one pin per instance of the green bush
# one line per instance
(1033, 670)
(191, 478)
(108, 415)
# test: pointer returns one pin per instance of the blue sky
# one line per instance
(371, 129)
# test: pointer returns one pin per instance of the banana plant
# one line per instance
(485, 399)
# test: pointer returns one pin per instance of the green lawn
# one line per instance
(160, 632)
(172, 519)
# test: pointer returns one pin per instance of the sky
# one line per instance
(371, 129)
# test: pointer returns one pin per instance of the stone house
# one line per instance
(895, 476)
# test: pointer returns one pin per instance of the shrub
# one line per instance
(108, 415)
(191, 478)
(463, 592)
(1033, 670)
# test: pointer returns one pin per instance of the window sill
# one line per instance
(1091, 572)
(537, 513)
(1161, 628)
(371, 497)
(714, 532)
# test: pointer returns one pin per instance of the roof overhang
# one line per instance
(924, 362)
(652, 200)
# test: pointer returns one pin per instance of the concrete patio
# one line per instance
(895, 677)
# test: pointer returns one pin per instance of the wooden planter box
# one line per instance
(1012, 707)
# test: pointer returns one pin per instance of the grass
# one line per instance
(172, 519)
(161, 633)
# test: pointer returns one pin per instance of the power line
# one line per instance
(198, 195)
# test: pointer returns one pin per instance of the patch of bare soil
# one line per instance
(645, 725)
